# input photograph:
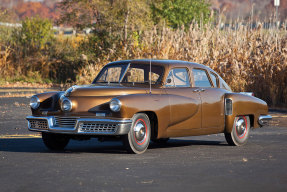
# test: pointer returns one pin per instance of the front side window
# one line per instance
(178, 77)
(200, 78)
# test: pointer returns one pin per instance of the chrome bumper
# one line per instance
(79, 126)
(263, 120)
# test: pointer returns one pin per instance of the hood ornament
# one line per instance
(70, 90)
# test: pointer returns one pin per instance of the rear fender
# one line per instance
(244, 105)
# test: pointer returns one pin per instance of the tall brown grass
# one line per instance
(248, 59)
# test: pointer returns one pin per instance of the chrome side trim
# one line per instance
(263, 119)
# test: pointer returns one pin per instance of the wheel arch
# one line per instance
(228, 127)
(153, 123)
(251, 118)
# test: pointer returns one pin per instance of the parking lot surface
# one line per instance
(201, 163)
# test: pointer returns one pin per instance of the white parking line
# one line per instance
(19, 136)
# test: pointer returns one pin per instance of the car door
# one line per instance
(184, 102)
(212, 98)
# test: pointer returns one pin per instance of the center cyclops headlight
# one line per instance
(67, 104)
(115, 105)
(34, 102)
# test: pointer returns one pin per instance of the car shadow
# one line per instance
(35, 145)
(181, 143)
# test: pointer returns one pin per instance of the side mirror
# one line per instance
(168, 81)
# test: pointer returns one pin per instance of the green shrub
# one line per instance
(35, 35)
(178, 13)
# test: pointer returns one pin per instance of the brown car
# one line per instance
(142, 100)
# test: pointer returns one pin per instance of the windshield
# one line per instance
(130, 73)
(111, 74)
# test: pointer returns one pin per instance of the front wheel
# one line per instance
(240, 131)
(55, 141)
(138, 138)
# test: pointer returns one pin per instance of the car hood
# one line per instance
(104, 90)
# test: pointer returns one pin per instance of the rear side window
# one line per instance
(178, 78)
(135, 75)
(214, 79)
(200, 78)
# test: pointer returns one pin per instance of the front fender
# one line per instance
(157, 103)
(48, 101)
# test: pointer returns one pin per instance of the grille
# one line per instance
(68, 122)
(38, 124)
(90, 127)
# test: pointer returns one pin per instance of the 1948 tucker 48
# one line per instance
(142, 100)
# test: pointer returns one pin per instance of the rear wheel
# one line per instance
(55, 141)
(240, 131)
(138, 138)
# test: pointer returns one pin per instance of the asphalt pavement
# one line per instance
(201, 163)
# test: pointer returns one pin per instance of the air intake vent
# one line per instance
(91, 127)
(228, 107)
(66, 122)
(38, 124)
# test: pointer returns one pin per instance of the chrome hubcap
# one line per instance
(140, 132)
(241, 127)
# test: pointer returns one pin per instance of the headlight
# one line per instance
(34, 102)
(115, 105)
(67, 105)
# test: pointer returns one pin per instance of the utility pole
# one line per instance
(277, 4)
(252, 12)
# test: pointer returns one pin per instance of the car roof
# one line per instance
(163, 63)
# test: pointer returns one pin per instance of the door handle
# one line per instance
(196, 90)
(202, 90)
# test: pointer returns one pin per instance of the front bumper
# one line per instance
(79, 125)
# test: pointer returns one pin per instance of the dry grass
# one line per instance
(249, 60)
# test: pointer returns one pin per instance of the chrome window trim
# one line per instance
(123, 75)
